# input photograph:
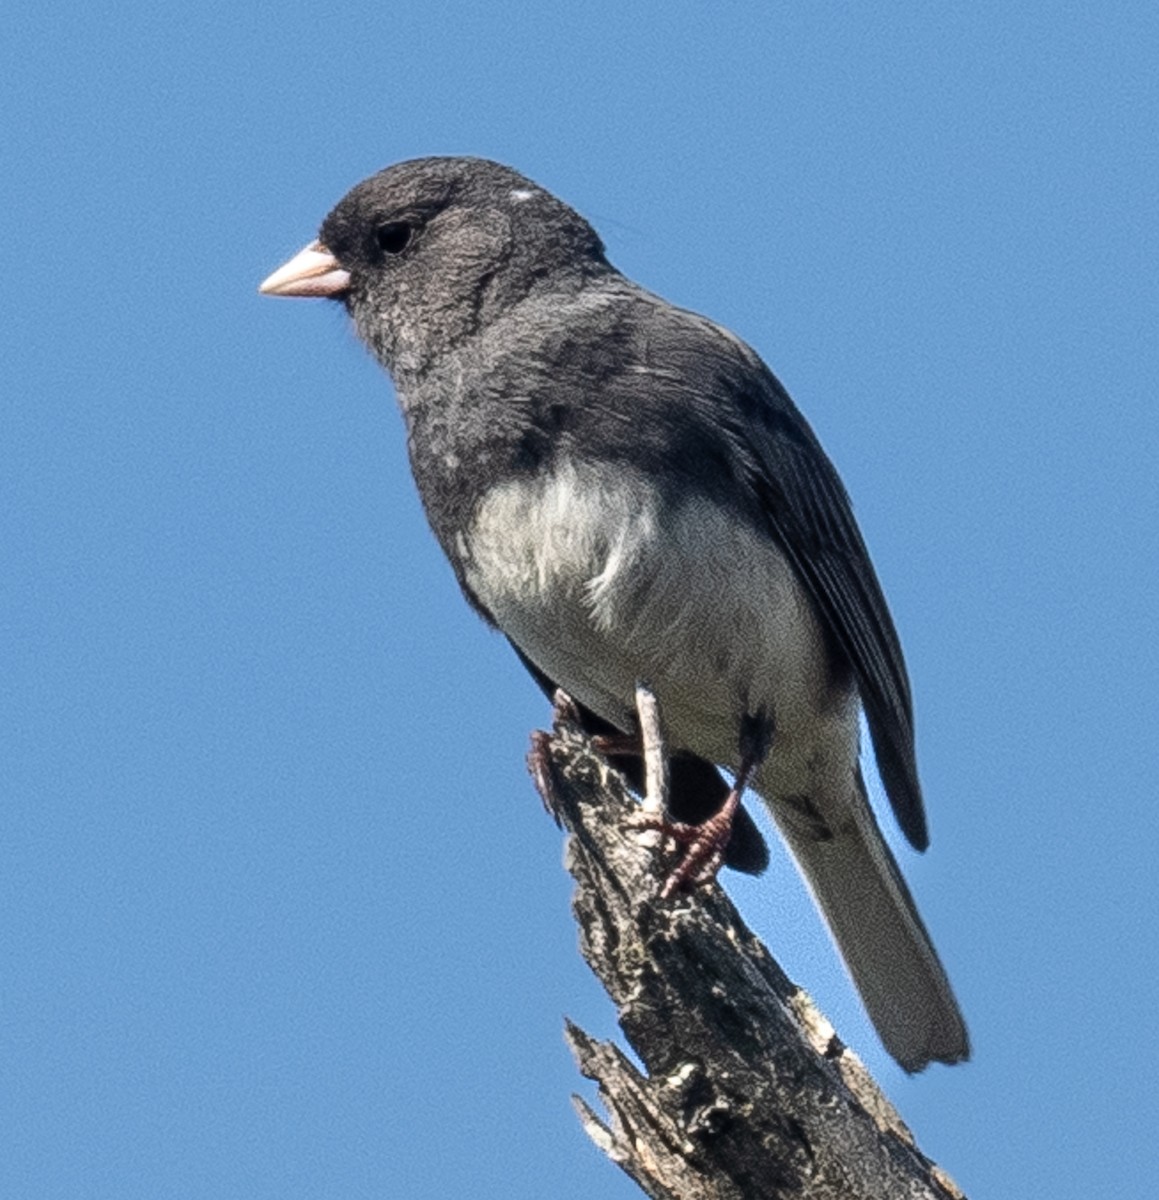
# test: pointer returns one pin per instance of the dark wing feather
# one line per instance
(810, 515)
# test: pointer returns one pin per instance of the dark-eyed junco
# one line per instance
(626, 491)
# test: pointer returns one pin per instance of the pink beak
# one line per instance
(313, 271)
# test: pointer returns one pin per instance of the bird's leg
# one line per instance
(657, 777)
(647, 743)
(706, 843)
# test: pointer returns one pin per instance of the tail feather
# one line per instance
(875, 923)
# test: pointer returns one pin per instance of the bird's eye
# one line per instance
(392, 238)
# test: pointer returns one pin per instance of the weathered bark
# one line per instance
(748, 1092)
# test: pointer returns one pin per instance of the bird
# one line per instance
(625, 490)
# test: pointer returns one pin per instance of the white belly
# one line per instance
(603, 587)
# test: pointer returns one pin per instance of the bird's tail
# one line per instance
(873, 919)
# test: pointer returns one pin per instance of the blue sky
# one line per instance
(280, 915)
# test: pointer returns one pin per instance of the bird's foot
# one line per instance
(564, 710)
(542, 771)
(611, 745)
(539, 764)
(704, 844)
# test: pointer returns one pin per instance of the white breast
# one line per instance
(603, 585)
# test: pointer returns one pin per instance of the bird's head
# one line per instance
(430, 251)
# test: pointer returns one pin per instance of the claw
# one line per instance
(613, 744)
(565, 711)
(705, 846)
(542, 771)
